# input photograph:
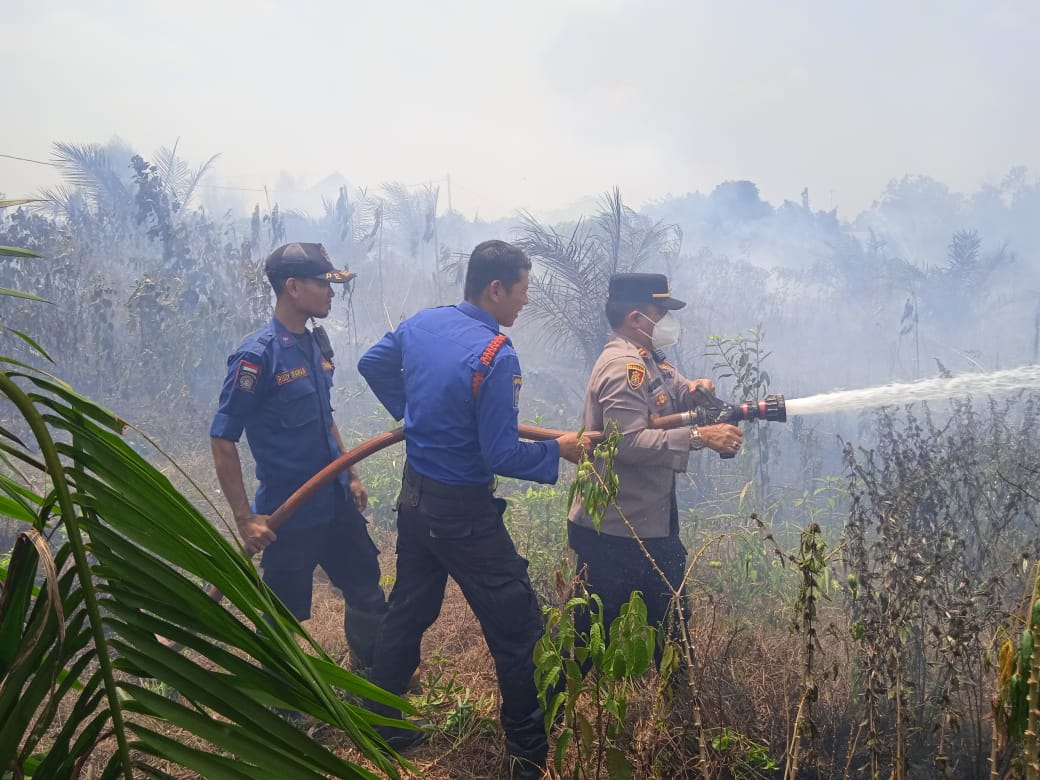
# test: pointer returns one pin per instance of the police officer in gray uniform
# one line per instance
(631, 381)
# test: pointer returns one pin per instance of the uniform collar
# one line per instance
(477, 313)
(285, 336)
(643, 352)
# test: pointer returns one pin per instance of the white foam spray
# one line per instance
(993, 383)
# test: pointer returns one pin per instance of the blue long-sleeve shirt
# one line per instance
(423, 373)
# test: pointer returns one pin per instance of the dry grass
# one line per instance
(451, 648)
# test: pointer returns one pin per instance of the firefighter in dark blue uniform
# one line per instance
(455, 381)
(278, 391)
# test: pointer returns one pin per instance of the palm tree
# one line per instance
(569, 285)
(179, 179)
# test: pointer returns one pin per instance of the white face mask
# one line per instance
(666, 331)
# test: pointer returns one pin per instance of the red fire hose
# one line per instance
(364, 450)
(355, 455)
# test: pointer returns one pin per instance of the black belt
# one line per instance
(424, 484)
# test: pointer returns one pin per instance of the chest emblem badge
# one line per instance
(662, 398)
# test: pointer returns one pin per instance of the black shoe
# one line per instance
(520, 768)
(403, 739)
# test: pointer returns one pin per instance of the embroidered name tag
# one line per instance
(245, 378)
(636, 375)
(285, 377)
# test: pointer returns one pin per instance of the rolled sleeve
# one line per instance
(226, 427)
(238, 396)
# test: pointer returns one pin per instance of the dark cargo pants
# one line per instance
(446, 530)
(614, 566)
(343, 548)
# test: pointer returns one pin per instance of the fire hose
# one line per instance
(710, 411)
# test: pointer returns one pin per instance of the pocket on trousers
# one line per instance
(447, 517)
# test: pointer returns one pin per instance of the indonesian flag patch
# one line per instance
(636, 375)
(246, 376)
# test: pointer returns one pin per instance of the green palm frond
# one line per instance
(84, 659)
(58, 201)
(172, 169)
(89, 168)
(194, 178)
(179, 179)
(569, 283)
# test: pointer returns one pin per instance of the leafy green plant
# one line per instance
(75, 653)
(745, 757)
(460, 710)
(741, 359)
(597, 489)
(534, 523)
(88, 658)
(615, 656)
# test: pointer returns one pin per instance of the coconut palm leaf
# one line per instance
(179, 179)
(88, 168)
(20, 294)
(194, 178)
(59, 201)
(88, 669)
(171, 169)
(30, 340)
(13, 251)
(572, 271)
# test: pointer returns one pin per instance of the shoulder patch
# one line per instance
(518, 382)
(290, 375)
(636, 375)
(246, 375)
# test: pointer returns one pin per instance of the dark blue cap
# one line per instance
(642, 288)
(304, 261)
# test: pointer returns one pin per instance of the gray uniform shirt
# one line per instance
(626, 387)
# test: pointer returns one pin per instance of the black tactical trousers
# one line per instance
(342, 547)
(458, 531)
(615, 566)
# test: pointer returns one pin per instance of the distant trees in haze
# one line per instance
(569, 283)
(140, 272)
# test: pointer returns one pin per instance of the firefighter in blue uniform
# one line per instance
(278, 391)
(455, 381)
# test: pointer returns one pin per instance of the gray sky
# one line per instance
(538, 103)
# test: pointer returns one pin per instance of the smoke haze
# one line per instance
(535, 105)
